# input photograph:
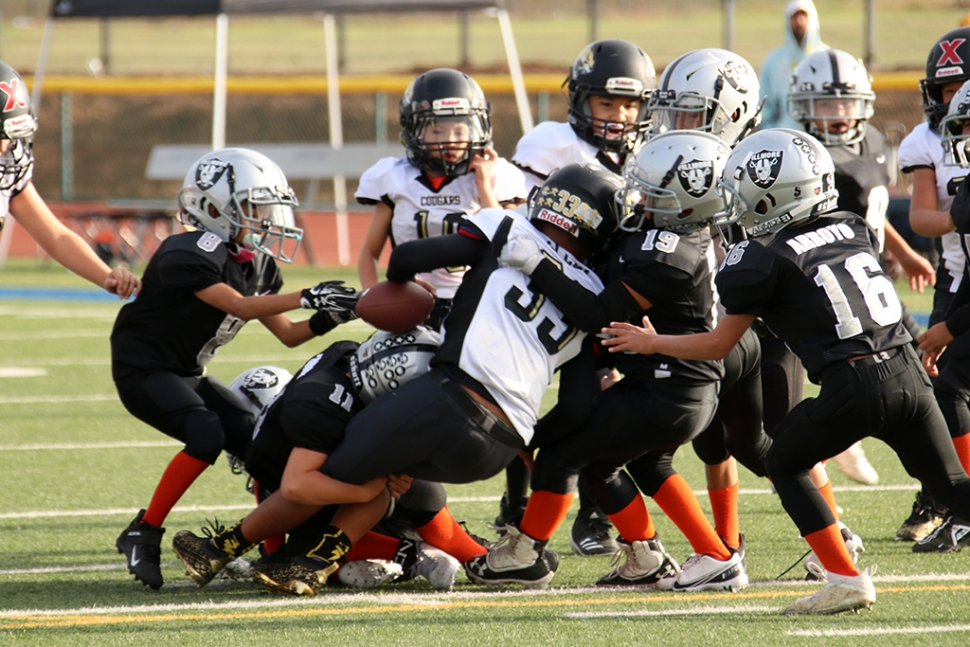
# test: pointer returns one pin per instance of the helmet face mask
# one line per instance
(777, 177)
(956, 142)
(620, 71)
(445, 122)
(386, 361)
(831, 97)
(948, 62)
(17, 124)
(673, 179)
(711, 90)
(236, 190)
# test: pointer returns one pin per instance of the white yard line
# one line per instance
(879, 631)
(692, 611)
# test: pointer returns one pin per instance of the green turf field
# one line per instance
(76, 467)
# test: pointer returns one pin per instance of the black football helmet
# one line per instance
(17, 124)
(949, 61)
(579, 198)
(440, 97)
(610, 68)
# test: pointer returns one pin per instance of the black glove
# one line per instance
(333, 297)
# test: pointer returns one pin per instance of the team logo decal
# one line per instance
(950, 55)
(763, 167)
(209, 173)
(585, 62)
(696, 176)
(16, 95)
(261, 378)
(735, 72)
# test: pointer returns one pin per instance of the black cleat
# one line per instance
(141, 544)
(300, 576)
(520, 559)
(952, 535)
(203, 561)
(591, 534)
(925, 518)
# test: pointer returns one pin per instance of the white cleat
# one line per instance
(705, 573)
(841, 593)
(647, 565)
(853, 463)
(853, 543)
(436, 566)
(369, 573)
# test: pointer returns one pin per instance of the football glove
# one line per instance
(522, 253)
(333, 297)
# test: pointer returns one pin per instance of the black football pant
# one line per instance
(198, 411)
(782, 382)
(890, 399)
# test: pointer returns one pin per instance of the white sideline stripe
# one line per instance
(124, 445)
(54, 334)
(256, 360)
(58, 399)
(879, 631)
(63, 569)
(693, 611)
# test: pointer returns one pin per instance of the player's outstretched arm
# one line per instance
(305, 484)
(66, 247)
(373, 246)
(625, 337)
(919, 270)
(426, 254)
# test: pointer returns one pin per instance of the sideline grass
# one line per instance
(62, 583)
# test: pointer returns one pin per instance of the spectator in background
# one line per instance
(801, 38)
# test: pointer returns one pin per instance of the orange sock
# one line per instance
(829, 495)
(633, 522)
(962, 445)
(677, 500)
(374, 545)
(545, 513)
(724, 505)
(447, 534)
(177, 478)
(829, 547)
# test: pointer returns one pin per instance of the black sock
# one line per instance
(333, 545)
(232, 542)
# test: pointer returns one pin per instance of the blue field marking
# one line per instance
(56, 294)
(921, 318)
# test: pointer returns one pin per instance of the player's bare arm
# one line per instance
(305, 484)
(924, 215)
(374, 241)
(625, 337)
(919, 270)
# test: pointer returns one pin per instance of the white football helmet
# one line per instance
(776, 177)
(235, 189)
(955, 143)
(709, 89)
(387, 360)
(259, 386)
(674, 178)
(832, 86)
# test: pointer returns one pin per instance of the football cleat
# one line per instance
(203, 561)
(841, 593)
(952, 535)
(507, 514)
(705, 573)
(369, 573)
(647, 566)
(925, 518)
(141, 545)
(854, 464)
(436, 566)
(591, 534)
(519, 559)
(300, 576)
(853, 543)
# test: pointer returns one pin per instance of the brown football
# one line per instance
(395, 306)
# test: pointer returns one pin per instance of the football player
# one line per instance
(451, 170)
(199, 289)
(19, 197)
(298, 428)
(664, 266)
(934, 184)
(831, 98)
(812, 275)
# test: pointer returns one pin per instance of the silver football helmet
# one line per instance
(17, 124)
(709, 89)
(955, 142)
(259, 386)
(674, 178)
(387, 360)
(832, 90)
(236, 189)
(776, 177)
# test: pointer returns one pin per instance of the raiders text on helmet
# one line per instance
(776, 177)
(445, 120)
(709, 89)
(237, 189)
(673, 178)
(832, 86)
(386, 361)
(949, 61)
(610, 68)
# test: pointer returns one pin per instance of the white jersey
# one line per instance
(505, 335)
(923, 148)
(549, 146)
(420, 211)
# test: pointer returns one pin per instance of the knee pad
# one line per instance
(204, 438)
(710, 446)
(651, 470)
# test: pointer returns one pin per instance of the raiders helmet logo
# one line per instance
(209, 173)
(763, 167)
(261, 379)
(696, 176)
(735, 72)
(585, 62)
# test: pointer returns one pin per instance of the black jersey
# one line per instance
(862, 178)
(312, 413)
(819, 287)
(675, 272)
(168, 328)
